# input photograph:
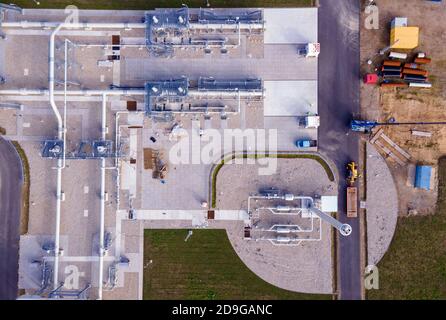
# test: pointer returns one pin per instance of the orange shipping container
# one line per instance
(394, 84)
(422, 60)
(392, 63)
(415, 71)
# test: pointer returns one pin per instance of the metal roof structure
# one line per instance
(164, 19)
(161, 24)
(52, 149)
(211, 84)
(206, 15)
(165, 88)
(95, 149)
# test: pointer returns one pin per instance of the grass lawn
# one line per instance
(151, 4)
(204, 267)
(415, 265)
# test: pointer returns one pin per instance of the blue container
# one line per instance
(423, 177)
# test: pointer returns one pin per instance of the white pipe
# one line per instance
(344, 228)
(65, 102)
(125, 25)
(117, 114)
(420, 85)
(192, 92)
(73, 25)
(104, 115)
(110, 92)
(51, 82)
(57, 232)
(129, 92)
(102, 208)
(101, 232)
(59, 161)
(235, 93)
(224, 26)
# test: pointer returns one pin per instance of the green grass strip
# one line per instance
(24, 217)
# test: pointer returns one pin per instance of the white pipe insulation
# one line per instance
(72, 25)
(102, 208)
(131, 92)
(60, 134)
(126, 25)
(34, 92)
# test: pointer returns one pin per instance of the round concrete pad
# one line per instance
(382, 206)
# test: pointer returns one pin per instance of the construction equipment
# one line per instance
(366, 126)
(352, 174)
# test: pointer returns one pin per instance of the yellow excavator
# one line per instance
(352, 168)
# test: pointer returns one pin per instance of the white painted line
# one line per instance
(25, 72)
(86, 189)
(85, 213)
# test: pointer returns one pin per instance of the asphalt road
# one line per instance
(339, 80)
(10, 203)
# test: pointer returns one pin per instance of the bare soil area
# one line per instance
(409, 104)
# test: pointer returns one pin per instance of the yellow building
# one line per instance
(402, 36)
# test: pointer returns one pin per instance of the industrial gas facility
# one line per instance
(99, 98)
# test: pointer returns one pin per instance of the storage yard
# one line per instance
(395, 102)
(410, 137)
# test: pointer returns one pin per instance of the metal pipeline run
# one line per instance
(344, 228)
(224, 93)
(51, 82)
(60, 134)
(126, 25)
(72, 25)
(129, 92)
(34, 92)
(102, 207)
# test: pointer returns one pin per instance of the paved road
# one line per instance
(10, 204)
(338, 99)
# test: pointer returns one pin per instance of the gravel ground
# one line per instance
(292, 176)
(307, 267)
(382, 207)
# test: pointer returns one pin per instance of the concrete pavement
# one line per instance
(339, 81)
(11, 179)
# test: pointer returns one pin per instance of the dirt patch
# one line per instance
(409, 104)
